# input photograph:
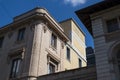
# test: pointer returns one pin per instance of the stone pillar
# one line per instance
(34, 63)
(101, 50)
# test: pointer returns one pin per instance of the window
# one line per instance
(80, 63)
(52, 65)
(1, 41)
(68, 54)
(15, 67)
(51, 68)
(112, 25)
(21, 34)
(53, 41)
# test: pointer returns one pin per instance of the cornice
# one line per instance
(33, 15)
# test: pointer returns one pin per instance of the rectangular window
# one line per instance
(51, 68)
(68, 54)
(21, 33)
(112, 25)
(52, 65)
(53, 41)
(15, 67)
(1, 41)
(80, 63)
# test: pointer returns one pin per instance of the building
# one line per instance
(103, 22)
(34, 44)
(76, 44)
(90, 56)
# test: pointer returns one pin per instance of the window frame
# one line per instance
(21, 34)
(54, 63)
(52, 68)
(15, 66)
(54, 40)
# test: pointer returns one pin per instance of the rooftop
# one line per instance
(37, 13)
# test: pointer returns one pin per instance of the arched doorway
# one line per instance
(118, 62)
(114, 57)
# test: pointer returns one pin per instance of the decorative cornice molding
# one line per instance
(19, 53)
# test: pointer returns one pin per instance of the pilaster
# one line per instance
(38, 30)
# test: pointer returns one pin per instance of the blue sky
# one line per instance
(59, 9)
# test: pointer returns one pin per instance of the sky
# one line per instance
(59, 9)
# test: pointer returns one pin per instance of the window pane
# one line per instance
(13, 68)
(18, 65)
(112, 25)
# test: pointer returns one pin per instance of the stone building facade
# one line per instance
(103, 22)
(34, 45)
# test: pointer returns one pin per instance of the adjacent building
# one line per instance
(103, 22)
(76, 44)
(34, 44)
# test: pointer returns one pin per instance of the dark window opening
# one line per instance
(80, 63)
(21, 33)
(68, 54)
(53, 41)
(112, 25)
(1, 41)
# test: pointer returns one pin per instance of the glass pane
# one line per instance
(51, 68)
(18, 65)
(13, 68)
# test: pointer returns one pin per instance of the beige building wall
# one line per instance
(77, 44)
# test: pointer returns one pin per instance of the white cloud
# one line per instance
(75, 2)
